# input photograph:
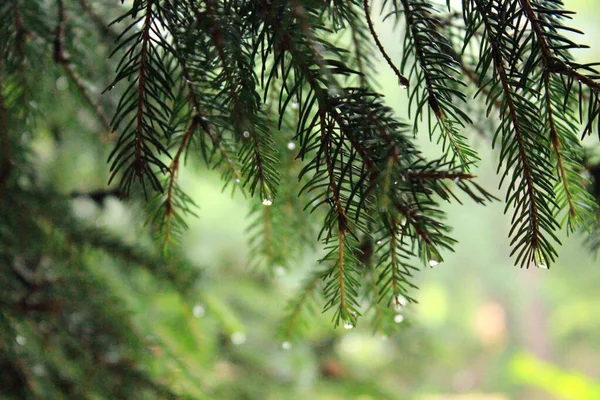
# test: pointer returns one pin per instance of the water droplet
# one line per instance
(379, 242)
(542, 266)
(62, 83)
(398, 318)
(237, 180)
(395, 182)
(39, 370)
(267, 202)
(238, 338)
(348, 325)
(334, 92)
(295, 105)
(433, 263)
(280, 271)
(340, 26)
(399, 303)
(21, 340)
(291, 145)
(112, 357)
(401, 300)
(198, 311)
(246, 134)
(286, 345)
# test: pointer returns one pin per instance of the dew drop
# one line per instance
(334, 92)
(246, 134)
(267, 202)
(291, 145)
(198, 311)
(456, 179)
(398, 318)
(286, 345)
(399, 303)
(39, 370)
(542, 266)
(62, 83)
(112, 357)
(348, 325)
(295, 105)
(237, 180)
(21, 340)
(401, 300)
(238, 338)
(379, 242)
(433, 263)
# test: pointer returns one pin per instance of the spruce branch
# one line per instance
(257, 151)
(559, 109)
(435, 70)
(524, 148)
(142, 105)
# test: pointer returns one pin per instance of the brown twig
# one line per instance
(401, 78)
(5, 165)
(61, 58)
(97, 19)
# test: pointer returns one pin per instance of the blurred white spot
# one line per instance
(62, 83)
(286, 345)
(267, 202)
(198, 311)
(291, 145)
(21, 341)
(398, 318)
(238, 338)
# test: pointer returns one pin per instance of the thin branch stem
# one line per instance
(6, 165)
(61, 59)
(404, 82)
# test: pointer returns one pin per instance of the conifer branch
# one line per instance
(360, 56)
(172, 179)
(98, 21)
(530, 190)
(143, 107)
(139, 163)
(436, 65)
(258, 160)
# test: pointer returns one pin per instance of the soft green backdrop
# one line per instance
(483, 329)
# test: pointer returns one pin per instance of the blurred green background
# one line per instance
(483, 329)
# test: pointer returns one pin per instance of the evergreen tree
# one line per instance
(280, 96)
